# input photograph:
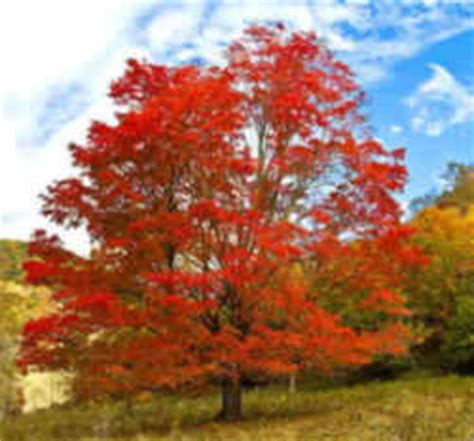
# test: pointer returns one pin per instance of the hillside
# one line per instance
(416, 409)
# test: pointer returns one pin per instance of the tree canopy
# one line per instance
(202, 198)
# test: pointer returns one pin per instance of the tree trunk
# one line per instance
(292, 383)
(231, 400)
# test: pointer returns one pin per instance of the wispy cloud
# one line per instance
(396, 129)
(371, 36)
(393, 31)
(440, 103)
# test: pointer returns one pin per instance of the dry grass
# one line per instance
(423, 409)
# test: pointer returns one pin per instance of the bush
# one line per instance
(384, 367)
(458, 347)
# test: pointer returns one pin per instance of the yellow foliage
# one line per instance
(18, 304)
(447, 236)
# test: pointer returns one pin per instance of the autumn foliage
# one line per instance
(236, 214)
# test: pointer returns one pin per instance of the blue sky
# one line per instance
(414, 59)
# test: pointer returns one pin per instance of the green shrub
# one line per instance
(458, 347)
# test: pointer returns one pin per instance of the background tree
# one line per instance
(18, 304)
(457, 350)
(460, 187)
(442, 292)
(200, 199)
(15, 310)
(12, 256)
(458, 192)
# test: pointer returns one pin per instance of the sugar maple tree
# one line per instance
(211, 187)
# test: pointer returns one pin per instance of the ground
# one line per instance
(409, 409)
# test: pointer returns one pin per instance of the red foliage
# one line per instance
(198, 227)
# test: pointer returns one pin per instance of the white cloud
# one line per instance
(49, 47)
(26, 170)
(174, 27)
(395, 129)
(440, 103)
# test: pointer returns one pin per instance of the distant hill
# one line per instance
(12, 255)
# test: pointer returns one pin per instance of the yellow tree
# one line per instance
(446, 235)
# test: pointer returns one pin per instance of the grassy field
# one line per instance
(417, 409)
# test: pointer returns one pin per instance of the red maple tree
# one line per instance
(202, 201)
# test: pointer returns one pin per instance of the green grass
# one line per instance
(411, 409)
